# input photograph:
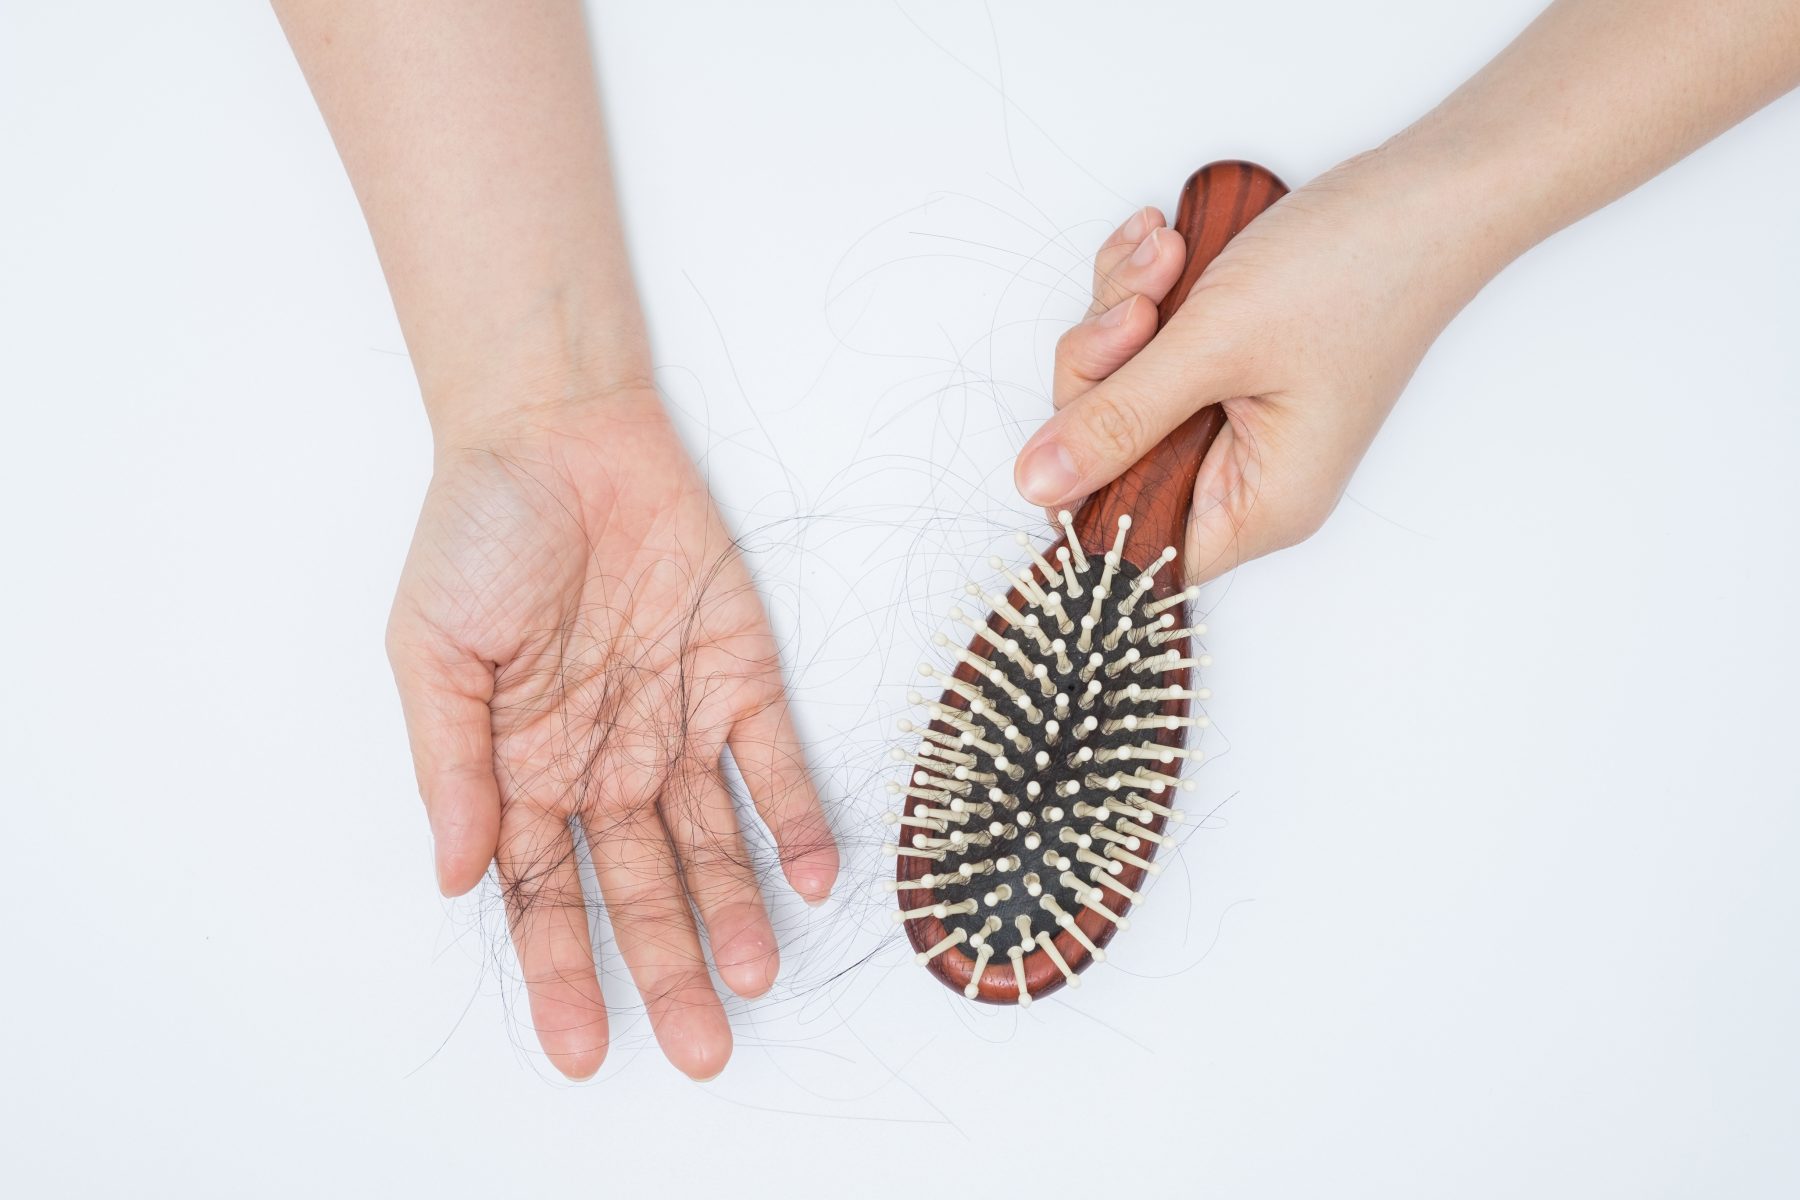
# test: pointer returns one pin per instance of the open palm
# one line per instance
(576, 642)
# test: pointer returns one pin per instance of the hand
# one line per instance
(1305, 329)
(576, 642)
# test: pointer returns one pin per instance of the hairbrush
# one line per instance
(1040, 789)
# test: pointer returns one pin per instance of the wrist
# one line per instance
(538, 399)
(556, 375)
(1428, 216)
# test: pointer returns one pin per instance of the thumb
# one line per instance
(445, 696)
(1095, 437)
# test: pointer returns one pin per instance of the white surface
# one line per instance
(1503, 898)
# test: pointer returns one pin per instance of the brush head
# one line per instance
(1038, 795)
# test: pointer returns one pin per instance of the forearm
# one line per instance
(1594, 98)
(471, 132)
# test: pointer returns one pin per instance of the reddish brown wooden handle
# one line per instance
(1158, 490)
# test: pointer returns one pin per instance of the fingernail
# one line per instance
(1145, 254)
(1047, 474)
(1117, 313)
(1134, 228)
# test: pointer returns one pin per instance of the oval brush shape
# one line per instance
(1041, 787)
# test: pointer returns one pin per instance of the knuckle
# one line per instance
(1114, 424)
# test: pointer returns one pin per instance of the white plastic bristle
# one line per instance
(1067, 520)
(1116, 555)
(909, 852)
(1181, 597)
(1106, 866)
(998, 895)
(983, 952)
(1060, 648)
(1085, 642)
(1002, 645)
(894, 818)
(1126, 856)
(1157, 752)
(988, 929)
(949, 682)
(1087, 726)
(1157, 637)
(1104, 877)
(1114, 836)
(1034, 630)
(1051, 575)
(1005, 609)
(1066, 920)
(1048, 944)
(955, 938)
(1084, 891)
(972, 737)
(1026, 587)
(1126, 661)
(1071, 580)
(1033, 886)
(939, 745)
(1018, 966)
(1095, 661)
(1160, 721)
(1053, 605)
(1160, 810)
(1061, 706)
(1133, 829)
(1109, 914)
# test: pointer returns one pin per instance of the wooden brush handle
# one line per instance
(1157, 491)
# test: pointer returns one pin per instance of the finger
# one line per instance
(445, 700)
(1250, 496)
(1119, 244)
(1096, 436)
(703, 826)
(769, 757)
(1150, 268)
(654, 928)
(548, 915)
(1098, 346)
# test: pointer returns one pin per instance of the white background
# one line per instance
(1501, 897)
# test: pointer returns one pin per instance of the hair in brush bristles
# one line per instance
(1038, 793)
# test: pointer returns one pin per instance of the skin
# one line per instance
(575, 639)
(1310, 323)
